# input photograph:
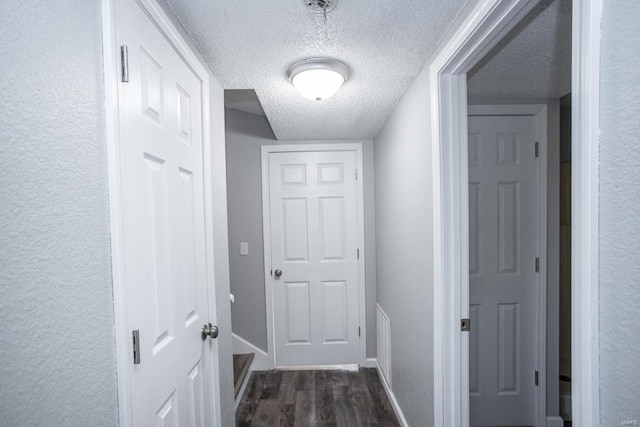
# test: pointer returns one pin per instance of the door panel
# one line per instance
(313, 212)
(298, 312)
(334, 312)
(502, 277)
(163, 214)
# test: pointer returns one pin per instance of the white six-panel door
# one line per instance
(163, 227)
(314, 238)
(502, 270)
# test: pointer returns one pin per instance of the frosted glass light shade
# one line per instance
(318, 78)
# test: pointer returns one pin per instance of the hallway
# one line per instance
(306, 398)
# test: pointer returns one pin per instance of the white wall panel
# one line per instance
(508, 149)
(152, 86)
(508, 227)
(298, 312)
(332, 228)
(334, 312)
(296, 244)
(508, 348)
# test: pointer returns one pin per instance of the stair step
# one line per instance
(241, 365)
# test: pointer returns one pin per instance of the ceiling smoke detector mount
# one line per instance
(320, 6)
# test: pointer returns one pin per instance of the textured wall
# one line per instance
(404, 242)
(619, 213)
(245, 134)
(57, 351)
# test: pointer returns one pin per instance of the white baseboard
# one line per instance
(392, 398)
(261, 361)
(555, 422)
(371, 362)
(353, 368)
(242, 389)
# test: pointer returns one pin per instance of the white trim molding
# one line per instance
(485, 25)
(111, 56)
(261, 360)
(585, 127)
(356, 147)
(393, 400)
(371, 362)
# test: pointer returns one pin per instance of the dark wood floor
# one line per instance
(315, 398)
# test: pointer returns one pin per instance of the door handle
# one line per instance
(208, 330)
(278, 272)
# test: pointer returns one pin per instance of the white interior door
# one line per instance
(502, 270)
(314, 235)
(163, 227)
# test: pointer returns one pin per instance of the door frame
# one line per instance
(539, 114)
(266, 228)
(481, 30)
(112, 74)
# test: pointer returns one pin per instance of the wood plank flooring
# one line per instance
(315, 398)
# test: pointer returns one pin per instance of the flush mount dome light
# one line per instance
(318, 78)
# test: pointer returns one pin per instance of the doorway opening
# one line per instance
(482, 30)
(507, 268)
(314, 263)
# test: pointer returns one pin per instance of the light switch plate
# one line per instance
(244, 248)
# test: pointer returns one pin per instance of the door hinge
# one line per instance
(537, 265)
(358, 253)
(465, 325)
(356, 174)
(358, 330)
(535, 377)
(537, 149)
(124, 62)
(136, 347)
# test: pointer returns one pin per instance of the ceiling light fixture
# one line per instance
(318, 78)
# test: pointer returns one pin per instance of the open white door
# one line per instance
(314, 257)
(163, 281)
(503, 259)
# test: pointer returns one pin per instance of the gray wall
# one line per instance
(57, 351)
(619, 213)
(245, 133)
(404, 242)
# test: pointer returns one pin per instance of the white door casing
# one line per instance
(503, 247)
(163, 277)
(313, 235)
(482, 28)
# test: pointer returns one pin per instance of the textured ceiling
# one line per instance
(533, 60)
(250, 44)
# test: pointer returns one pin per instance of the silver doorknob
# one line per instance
(278, 272)
(208, 330)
